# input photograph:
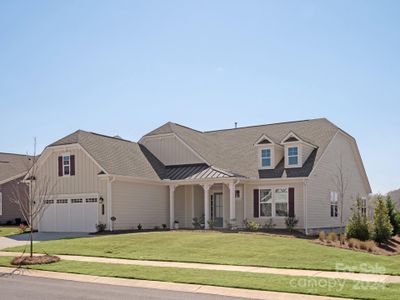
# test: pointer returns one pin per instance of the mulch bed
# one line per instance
(390, 248)
(35, 260)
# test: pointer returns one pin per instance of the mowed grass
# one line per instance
(9, 230)
(221, 248)
(266, 282)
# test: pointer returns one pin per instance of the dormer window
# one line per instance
(266, 158)
(293, 156)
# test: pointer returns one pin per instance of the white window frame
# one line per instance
(333, 202)
(273, 203)
(364, 206)
(64, 165)
(271, 157)
(290, 156)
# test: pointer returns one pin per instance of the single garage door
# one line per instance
(70, 214)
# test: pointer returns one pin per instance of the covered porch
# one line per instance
(214, 199)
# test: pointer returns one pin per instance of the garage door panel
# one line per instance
(77, 215)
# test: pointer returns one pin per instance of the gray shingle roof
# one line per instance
(115, 155)
(12, 165)
(233, 149)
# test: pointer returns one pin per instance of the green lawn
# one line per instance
(280, 283)
(9, 230)
(220, 248)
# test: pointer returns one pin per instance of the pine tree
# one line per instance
(393, 215)
(382, 227)
(358, 226)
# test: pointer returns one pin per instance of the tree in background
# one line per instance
(382, 231)
(393, 215)
(358, 225)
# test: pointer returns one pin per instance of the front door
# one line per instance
(217, 210)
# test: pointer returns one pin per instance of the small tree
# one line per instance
(358, 226)
(392, 212)
(382, 227)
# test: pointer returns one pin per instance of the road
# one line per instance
(32, 288)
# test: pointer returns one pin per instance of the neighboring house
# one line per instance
(262, 173)
(395, 195)
(13, 168)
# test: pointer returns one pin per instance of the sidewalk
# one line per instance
(264, 270)
(159, 285)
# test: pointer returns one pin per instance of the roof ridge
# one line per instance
(268, 124)
(10, 153)
(110, 137)
(186, 127)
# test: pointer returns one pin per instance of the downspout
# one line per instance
(305, 206)
(109, 202)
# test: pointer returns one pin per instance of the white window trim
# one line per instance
(63, 170)
(299, 155)
(334, 202)
(272, 157)
(273, 188)
(1, 203)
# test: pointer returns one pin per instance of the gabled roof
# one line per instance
(233, 149)
(115, 155)
(13, 165)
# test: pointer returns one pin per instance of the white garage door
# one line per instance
(70, 214)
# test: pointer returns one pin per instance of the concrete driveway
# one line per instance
(23, 239)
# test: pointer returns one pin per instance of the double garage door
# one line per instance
(70, 214)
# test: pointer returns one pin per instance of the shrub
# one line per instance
(269, 225)
(100, 227)
(358, 226)
(196, 223)
(392, 212)
(367, 245)
(322, 236)
(382, 227)
(354, 243)
(211, 223)
(164, 226)
(291, 222)
(139, 227)
(156, 227)
(342, 238)
(252, 226)
(332, 237)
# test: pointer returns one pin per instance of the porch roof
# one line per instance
(195, 171)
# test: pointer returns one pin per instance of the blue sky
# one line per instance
(126, 67)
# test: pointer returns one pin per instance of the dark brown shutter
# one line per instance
(72, 160)
(256, 203)
(291, 202)
(60, 166)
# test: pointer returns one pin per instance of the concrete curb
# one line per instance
(177, 287)
(263, 270)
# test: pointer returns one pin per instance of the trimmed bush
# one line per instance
(291, 222)
(382, 227)
(354, 243)
(332, 237)
(358, 227)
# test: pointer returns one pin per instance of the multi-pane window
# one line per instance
(91, 200)
(62, 201)
(48, 201)
(281, 197)
(364, 206)
(66, 165)
(293, 156)
(266, 203)
(76, 200)
(334, 204)
(266, 158)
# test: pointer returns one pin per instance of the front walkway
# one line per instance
(263, 270)
(159, 285)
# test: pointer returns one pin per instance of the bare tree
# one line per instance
(32, 199)
(341, 181)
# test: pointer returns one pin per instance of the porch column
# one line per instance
(232, 203)
(171, 206)
(206, 188)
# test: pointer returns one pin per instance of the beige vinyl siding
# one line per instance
(321, 183)
(134, 203)
(180, 205)
(278, 154)
(198, 201)
(170, 150)
(86, 174)
(278, 221)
